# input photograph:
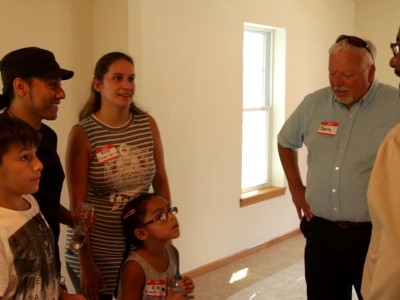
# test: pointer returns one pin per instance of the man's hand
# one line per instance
(290, 164)
(299, 200)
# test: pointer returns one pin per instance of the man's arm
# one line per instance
(289, 160)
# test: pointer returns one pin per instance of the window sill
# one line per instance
(261, 195)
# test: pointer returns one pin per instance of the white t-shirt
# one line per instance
(27, 262)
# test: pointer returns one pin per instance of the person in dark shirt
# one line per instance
(32, 92)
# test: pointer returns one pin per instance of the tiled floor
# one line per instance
(274, 273)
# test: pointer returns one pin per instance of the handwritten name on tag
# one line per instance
(106, 153)
(328, 128)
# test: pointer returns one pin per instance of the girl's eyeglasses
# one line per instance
(162, 216)
(395, 48)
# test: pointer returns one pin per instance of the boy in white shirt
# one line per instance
(27, 259)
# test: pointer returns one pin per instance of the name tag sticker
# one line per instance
(328, 128)
(106, 153)
(156, 289)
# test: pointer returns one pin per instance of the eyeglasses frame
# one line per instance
(395, 48)
(162, 216)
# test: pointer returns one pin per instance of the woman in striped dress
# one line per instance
(114, 153)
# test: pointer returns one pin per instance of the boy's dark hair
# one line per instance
(14, 130)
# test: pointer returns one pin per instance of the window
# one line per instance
(261, 84)
(257, 69)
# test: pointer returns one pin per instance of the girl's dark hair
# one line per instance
(132, 217)
(14, 130)
(93, 104)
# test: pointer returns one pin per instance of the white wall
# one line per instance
(191, 81)
(188, 61)
(379, 21)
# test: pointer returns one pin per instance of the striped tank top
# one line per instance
(121, 167)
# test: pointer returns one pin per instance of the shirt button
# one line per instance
(336, 168)
(334, 190)
(335, 209)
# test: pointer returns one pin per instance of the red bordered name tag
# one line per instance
(328, 128)
(106, 153)
(156, 289)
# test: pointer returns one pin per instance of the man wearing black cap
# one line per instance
(32, 92)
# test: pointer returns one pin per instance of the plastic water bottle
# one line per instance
(85, 213)
(176, 284)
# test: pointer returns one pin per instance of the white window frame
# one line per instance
(274, 96)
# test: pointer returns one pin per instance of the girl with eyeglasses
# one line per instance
(150, 261)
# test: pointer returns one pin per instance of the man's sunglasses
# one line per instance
(354, 41)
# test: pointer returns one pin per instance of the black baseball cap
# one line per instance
(31, 62)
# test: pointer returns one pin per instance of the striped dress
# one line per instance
(121, 167)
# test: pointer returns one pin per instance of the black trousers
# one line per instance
(334, 258)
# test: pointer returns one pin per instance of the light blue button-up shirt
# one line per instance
(342, 146)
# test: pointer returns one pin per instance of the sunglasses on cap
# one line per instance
(354, 41)
(395, 48)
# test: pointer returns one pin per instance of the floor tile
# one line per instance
(274, 273)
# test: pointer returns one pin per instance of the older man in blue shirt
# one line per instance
(342, 127)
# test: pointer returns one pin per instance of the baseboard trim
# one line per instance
(221, 262)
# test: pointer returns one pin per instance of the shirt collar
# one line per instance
(368, 97)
